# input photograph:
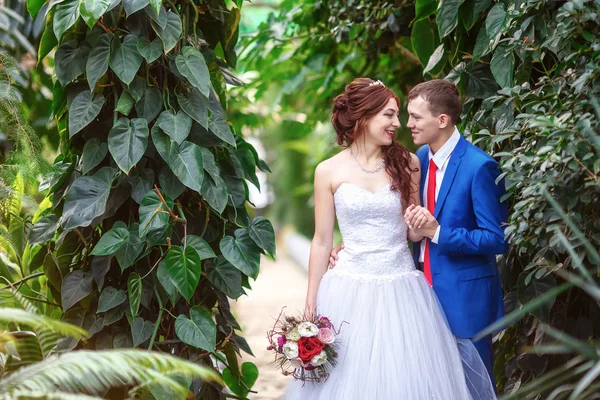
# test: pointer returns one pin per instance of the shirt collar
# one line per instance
(441, 157)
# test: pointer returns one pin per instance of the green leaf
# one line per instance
(214, 191)
(125, 103)
(195, 105)
(155, 4)
(496, 20)
(183, 267)
(186, 163)
(447, 16)
(161, 142)
(150, 50)
(170, 183)
(110, 298)
(141, 184)
(191, 64)
(247, 379)
(217, 122)
(132, 6)
(159, 17)
(198, 331)
(48, 41)
(125, 59)
(94, 152)
(111, 241)
(225, 277)
(150, 104)
(74, 288)
(241, 252)
(483, 45)
(262, 233)
(423, 39)
(141, 331)
(33, 6)
(100, 267)
(137, 88)
(503, 66)
(97, 63)
(481, 83)
(177, 126)
(113, 316)
(153, 214)
(166, 282)
(92, 10)
(246, 157)
(424, 8)
(127, 142)
(65, 15)
(86, 198)
(134, 288)
(83, 110)
(171, 32)
(237, 190)
(204, 250)
(44, 230)
(127, 254)
(469, 12)
(535, 289)
(70, 60)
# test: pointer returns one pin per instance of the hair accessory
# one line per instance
(377, 82)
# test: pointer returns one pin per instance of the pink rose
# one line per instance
(326, 335)
(324, 322)
(280, 342)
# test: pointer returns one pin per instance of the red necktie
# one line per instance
(431, 207)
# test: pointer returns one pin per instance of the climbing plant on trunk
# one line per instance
(153, 236)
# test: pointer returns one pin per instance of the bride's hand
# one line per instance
(309, 311)
(333, 257)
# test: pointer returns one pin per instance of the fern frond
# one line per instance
(97, 371)
(54, 395)
(41, 322)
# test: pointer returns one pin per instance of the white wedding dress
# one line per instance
(396, 343)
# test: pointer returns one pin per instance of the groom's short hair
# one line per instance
(442, 96)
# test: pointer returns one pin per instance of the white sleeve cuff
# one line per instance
(436, 236)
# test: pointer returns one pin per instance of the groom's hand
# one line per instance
(334, 255)
(420, 220)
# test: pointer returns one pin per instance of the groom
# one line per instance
(461, 215)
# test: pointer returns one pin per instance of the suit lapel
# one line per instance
(424, 159)
(453, 164)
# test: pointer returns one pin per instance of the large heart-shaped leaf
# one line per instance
(153, 214)
(199, 330)
(132, 6)
(183, 267)
(137, 88)
(127, 142)
(161, 142)
(83, 110)
(191, 64)
(248, 377)
(65, 15)
(422, 39)
(113, 315)
(160, 16)
(195, 105)
(217, 123)
(225, 277)
(100, 267)
(150, 50)
(496, 20)
(186, 163)
(236, 188)
(33, 6)
(214, 191)
(97, 62)
(86, 198)
(210, 165)
(170, 183)
(262, 233)
(110, 298)
(125, 103)
(170, 33)
(141, 184)
(111, 241)
(177, 126)
(92, 10)
(94, 152)
(166, 282)
(155, 5)
(141, 331)
(75, 287)
(125, 59)
(248, 162)
(150, 104)
(447, 16)
(436, 59)
(241, 252)
(535, 289)
(127, 254)
(204, 250)
(134, 289)
(70, 60)
(44, 230)
(424, 8)
(502, 66)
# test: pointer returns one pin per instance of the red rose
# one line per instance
(308, 347)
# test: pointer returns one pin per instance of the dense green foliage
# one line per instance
(148, 198)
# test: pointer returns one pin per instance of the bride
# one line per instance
(396, 343)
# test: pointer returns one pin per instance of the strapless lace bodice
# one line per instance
(374, 234)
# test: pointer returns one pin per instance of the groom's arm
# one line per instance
(490, 214)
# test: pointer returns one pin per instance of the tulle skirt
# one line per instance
(396, 344)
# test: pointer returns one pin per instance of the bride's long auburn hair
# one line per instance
(351, 111)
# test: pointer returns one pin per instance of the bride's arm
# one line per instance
(415, 187)
(322, 242)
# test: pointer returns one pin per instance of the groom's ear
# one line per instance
(443, 121)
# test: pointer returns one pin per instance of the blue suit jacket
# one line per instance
(463, 262)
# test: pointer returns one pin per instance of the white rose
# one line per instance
(319, 359)
(293, 334)
(308, 329)
(297, 363)
(290, 349)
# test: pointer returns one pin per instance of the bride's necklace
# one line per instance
(369, 171)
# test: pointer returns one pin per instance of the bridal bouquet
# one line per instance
(304, 347)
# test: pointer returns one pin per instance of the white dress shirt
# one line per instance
(440, 158)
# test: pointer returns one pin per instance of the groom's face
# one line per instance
(423, 125)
